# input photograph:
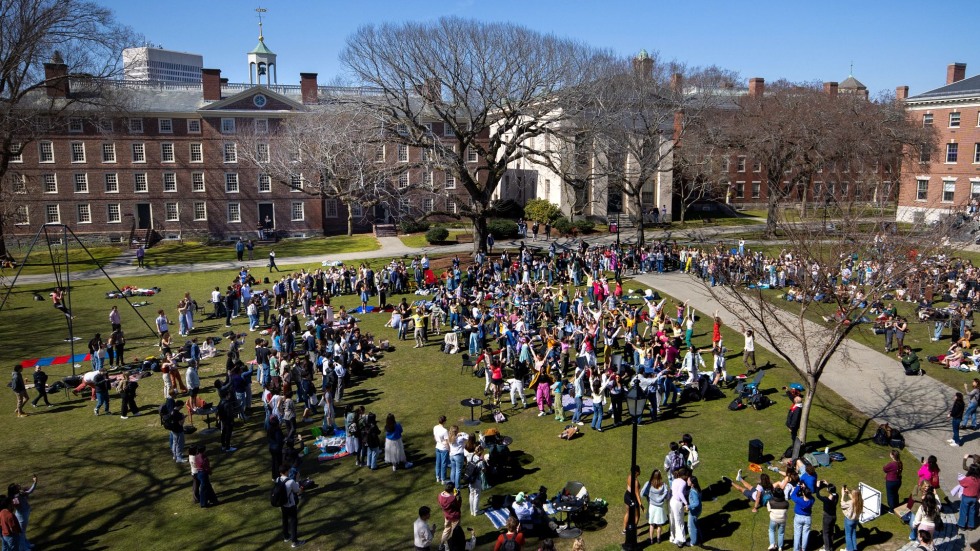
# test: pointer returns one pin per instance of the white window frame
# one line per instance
(176, 211)
(450, 181)
(83, 212)
(77, 152)
(48, 212)
(451, 206)
(428, 204)
(756, 189)
(54, 183)
(356, 210)
(927, 120)
(193, 126)
(261, 126)
(20, 184)
(22, 215)
(976, 153)
(109, 219)
(404, 205)
(108, 153)
(19, 158)
(447, 129)
(949, 186)
(740, 164)
(170, 179)
(231, 181)
(236, 216)
(296, 183)
(427, 179)
(293, 212)
(379, 155)
(921, 189)
(165, 126)
(739, 189)
(262, 153)
(105, 126)
(472, 155)
(403, 153)
(197, 182)
(229, 152)
(135, 125)
(955, 118)
(75, 125)
(265, 183)
(137, 176)
(45, 156)
(139, 152)
(330, 208)
(167, 152)
(203, 214)
(404, 180)
(952, 149)
(196, 152)
(228, 125)
(79, 182)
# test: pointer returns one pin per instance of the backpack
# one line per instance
(736, 404)
(693, 457)
(168, 419)
(509, 544)
(470, 474)
(675, 460)
(280, 495)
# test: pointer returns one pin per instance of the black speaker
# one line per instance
(755, 451)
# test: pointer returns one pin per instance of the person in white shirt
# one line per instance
(693, 364)
(290, 519)
(748, 352)
(422, 530)
(441, 435)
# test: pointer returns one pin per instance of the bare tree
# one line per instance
(81, 41)
(335, 151)
(470, 92)
(699, 173)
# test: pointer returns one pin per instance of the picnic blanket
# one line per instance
(498, 517)
(568, 404)
(130, 291)
(362, 310)
(332, 447)
(55, 360)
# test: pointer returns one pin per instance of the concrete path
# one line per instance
(873, 382)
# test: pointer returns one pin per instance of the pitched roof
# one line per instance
(261, 48)
(965, 88)
(851, 83)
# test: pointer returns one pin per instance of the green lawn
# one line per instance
(417, 240)
(40, 261)
(107, 483)
(189, 252)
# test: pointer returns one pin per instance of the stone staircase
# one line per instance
(948, 539)
(385, 230)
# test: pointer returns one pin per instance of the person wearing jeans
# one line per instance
(972, 401)
(802, 509)
(778, 508)
(441, 435)
(968, 501)
(853, 506)
(956, 417)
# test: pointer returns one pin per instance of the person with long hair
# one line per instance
(956, 418)
(656, 493)
(394, 448)
(633, 505)
(928, 514)
(893, 479)
(852, 508)
(929, 473)
(972, 401)
(678, 501)
(759, 495)
(694, 511)
(968, 501)
(802, 509)
(457, 459)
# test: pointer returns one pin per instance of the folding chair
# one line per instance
(467, 362)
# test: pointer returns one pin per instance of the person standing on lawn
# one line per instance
(451, 504)
(240, 249)
(115, 319)
(441, 435)
(140, 255)
(955, 416)
(41, 386)
(102, 391)
(127, 393)
(290, 517)
(272, 262)
(972, 401)
(20, 389)
(893, 479)
(422, 531)
(9, 527)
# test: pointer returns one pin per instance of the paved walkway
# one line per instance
(873, 382)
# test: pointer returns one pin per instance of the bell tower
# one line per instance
(261, 60)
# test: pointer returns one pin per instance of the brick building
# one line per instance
(949, 178)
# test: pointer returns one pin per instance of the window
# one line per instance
(200, 210)
(451, 206)
(139, 153)
(447, 129)
(927, 119)
(21, 217)
(925, 156)
(402, 129)
(81, 183)
(265, 183)
(450, 181)
(403, 181)
(197, 153)
(976, 153)
(262, 126)
(952, 149)
(726, 163)
(379, 154)
(427, 179)
(262, 152)
(739, 190)
(105, 126)
(52, 214)
(472, 155)
(296, 182)
(166, 126)
(20, 184)
(402, 153)
(197, 182)
(108, 153)
(227, 126)
(740, 164)
(113, 213)
(41, 124)
(135, 126)
(140, 184)
(949, 189)
(954, 120)
(404, 205)
(234, 212)
(19, 156)
(921, 190)
(297, 212)
(75, 125)
(231, 182)
(231, 153)
(756, 166)
(77, 152)
(167, 152)
(357, 210)
(330, 208)
(756, 189)
(170, 182)
(428, 205)
(426, 154)
(50, 183)
(171, 211)
(194, 126)
(974, 188)
(45, 152)
(84, 213)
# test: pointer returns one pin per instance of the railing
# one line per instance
(235, 87)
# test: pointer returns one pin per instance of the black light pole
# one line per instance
(636, 401)
(617, 230)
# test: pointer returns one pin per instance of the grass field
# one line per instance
(418, 240)
(108, 483)
(40, 260)
(165, 254)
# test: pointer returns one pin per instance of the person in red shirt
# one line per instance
(513, 534)
(968, 501)
(451, 505)
(8, 524)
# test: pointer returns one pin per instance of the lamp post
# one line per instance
(617, 230)
(636, 401)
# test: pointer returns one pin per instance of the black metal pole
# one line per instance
(633, 511)
(71, 322)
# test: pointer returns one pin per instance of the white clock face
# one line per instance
(259, 100)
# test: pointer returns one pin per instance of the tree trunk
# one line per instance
(3, 239)
(772, 218)
(350, 220)
(804, 420)
(683, 211)
(480, 232)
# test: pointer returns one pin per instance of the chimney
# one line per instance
(431, 89)
(676, 83)
(902, 93)
(678, 126)
(211, 84)
(643, 64)
(830, 88)
(308, 88)
(955, 72)
(757, 87)
(56, 75)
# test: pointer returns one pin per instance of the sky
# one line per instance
(890, 43)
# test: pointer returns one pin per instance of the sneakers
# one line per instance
(579, 423)
(954, 444)
(738, 477)
(123, 417)
(96, 412)
(297, 543)
(180, 460)
(541, 414)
